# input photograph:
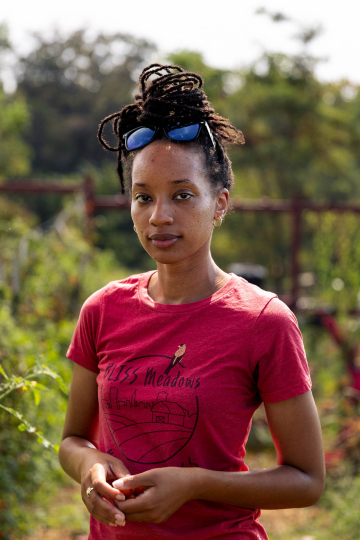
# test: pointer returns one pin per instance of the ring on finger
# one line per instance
(88, 491)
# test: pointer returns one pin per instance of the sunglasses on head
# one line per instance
(143, 135)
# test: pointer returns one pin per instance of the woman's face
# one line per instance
(173, 203)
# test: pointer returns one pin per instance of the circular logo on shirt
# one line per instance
(150, 406)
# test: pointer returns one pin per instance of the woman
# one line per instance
(172, 364)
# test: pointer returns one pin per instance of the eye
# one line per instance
(142, 198)
(183, 196)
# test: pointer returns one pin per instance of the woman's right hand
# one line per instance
(99, 501)
(79, 457)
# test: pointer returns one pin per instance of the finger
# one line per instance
(99, 483)
(141, 508)
(135, 505)
(136, 481)
(103, 510)
(126, 492)
(117, 469)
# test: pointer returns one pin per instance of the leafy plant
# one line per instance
(40, 297)
(26, 383)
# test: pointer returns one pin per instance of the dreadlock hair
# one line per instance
(174, 97)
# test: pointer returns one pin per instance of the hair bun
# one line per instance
(169, 92)
(169, 95)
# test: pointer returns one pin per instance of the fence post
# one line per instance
(88, 188)
(296, 209)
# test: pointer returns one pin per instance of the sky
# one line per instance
(227, 32)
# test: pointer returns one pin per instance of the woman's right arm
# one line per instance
(81, 460)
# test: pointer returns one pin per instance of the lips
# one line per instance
(164, 240)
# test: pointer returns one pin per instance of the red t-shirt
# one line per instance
(178, 385)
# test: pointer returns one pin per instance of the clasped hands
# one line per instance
(151, 496)
(158, 493)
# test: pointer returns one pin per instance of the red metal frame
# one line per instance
(94, 203)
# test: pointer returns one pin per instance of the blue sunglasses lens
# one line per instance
(139, 138)
(186, 133)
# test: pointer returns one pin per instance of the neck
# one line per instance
(186, 282)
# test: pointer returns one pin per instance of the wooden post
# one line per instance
(88, 188)
(296, 209)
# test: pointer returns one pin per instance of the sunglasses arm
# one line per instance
(210, 134)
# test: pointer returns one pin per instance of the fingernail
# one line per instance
(118, 484)
(120, 497)
(119, 517)
(112, 524)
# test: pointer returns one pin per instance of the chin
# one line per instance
(172, 255)
(167, 258)
(163, 256)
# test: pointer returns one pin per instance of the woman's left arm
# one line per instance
(297, 480)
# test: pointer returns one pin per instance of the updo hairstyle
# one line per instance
(174, 97)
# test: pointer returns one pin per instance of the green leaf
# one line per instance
(62, 385)
(2, 371)
(37, 395)
(22, 427)
(41, 386)
(47, 371)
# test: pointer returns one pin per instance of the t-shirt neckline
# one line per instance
(179, 308)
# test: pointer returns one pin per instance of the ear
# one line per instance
(222, 203)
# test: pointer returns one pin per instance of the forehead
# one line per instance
(168, 160)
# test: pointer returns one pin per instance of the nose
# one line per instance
(161, 214)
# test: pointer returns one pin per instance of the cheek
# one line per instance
(138, 215)
(200, 224)
(206, 212)
(138, 220)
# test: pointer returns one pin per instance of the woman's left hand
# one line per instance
(166, 490)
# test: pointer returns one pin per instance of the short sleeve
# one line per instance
(278, 358)
(82, 349)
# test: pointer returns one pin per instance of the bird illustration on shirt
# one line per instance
(176, 359)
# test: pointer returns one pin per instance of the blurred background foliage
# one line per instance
(302, 140)
(46, 274)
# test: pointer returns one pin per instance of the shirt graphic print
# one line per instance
(150, 427)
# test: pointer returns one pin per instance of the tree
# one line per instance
(70, 84)
(14, 152)
(14, 119)
(298, 132)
